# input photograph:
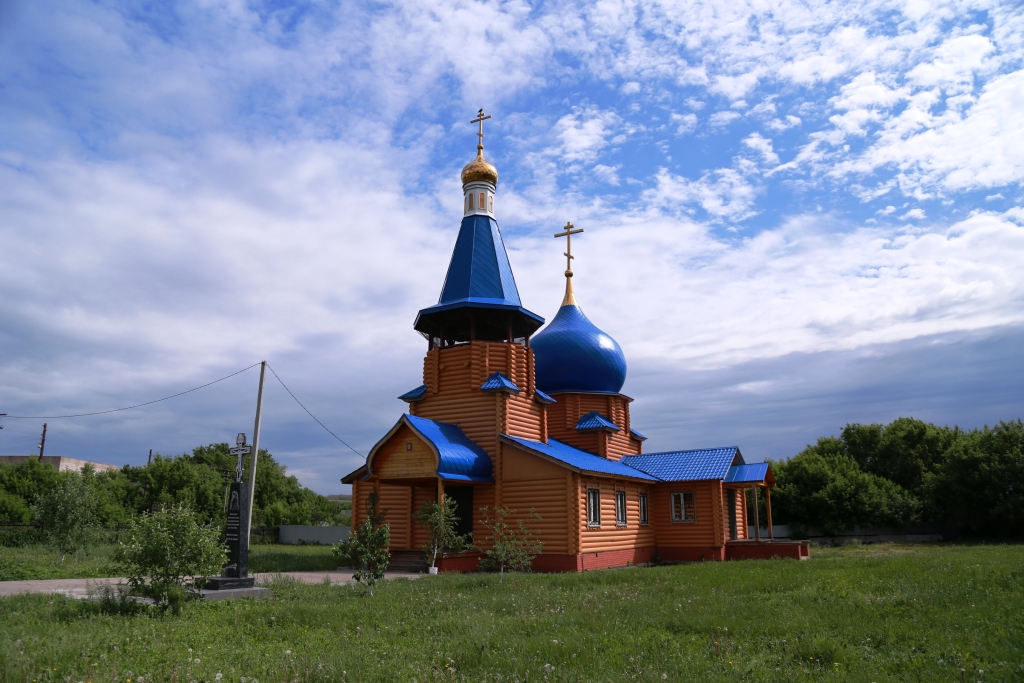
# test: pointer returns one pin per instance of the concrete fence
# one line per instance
(299, 534)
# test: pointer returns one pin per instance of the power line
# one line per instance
(312, 415)
(139, 405)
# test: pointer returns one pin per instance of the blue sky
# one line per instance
(797, 215)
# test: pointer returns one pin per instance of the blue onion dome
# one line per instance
(572, 355)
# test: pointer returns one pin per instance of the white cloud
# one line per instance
(763, 146)
(917, 214)
(585, 132)
(722, 118)
(724, 194)
(684, 123)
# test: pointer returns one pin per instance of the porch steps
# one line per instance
(412, 561)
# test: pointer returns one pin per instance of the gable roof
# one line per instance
(595, 420)
(459, 458)
(695, 465)
(539, 395)
(499, 382)
(416, 394)
(742, 474)
(637, 435)
(576, 459)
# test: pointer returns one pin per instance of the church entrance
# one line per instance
(463, 497)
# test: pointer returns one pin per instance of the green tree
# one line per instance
(823, 487)
(13, 509)
(67, 513)
(440, 521)
(904, 451)
(169, 554)
(366, 549)
(980, 484)
(29, 479)
(512, 547)
(180, 481)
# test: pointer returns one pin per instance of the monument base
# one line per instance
(220, 583)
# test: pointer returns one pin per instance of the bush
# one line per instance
(440, 521)
(67, 513)
(366, 549)
(511, 547)
(168, 555)
(13, 509)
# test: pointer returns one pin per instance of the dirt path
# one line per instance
(81, 587)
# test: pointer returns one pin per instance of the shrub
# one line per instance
(168, 555)
(366, 549)
(512, 547)
(440, 521)
(67, 513)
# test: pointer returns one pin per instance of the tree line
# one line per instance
(197, 481)
(905, 473)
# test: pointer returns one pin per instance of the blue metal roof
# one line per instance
(637, 435)
(696, 465)
(577, 459)
(459, 458)
(595, 420)
(414, 395)
(542, 397)
(739, 474)
(572, 354)
(499, 382)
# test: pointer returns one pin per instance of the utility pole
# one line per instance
(255, 448)
(2, 415)
(150, 459)
(42, 443)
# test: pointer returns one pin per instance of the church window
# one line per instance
(620, 508)
(593, 507)
(483, 202)
(643, 508)
(682, 507)
(469, 198)
(490, 204)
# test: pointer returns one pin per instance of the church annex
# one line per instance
(514, 414)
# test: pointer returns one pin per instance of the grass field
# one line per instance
(43, 562)
(871, 613)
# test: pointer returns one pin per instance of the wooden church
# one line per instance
(515, 414)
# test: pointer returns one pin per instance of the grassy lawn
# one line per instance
(43, 562)
(873, 613)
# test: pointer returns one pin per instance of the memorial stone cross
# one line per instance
(236, 571)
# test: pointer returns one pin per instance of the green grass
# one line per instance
(874, 613)
(42, 562)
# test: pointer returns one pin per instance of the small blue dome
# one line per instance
(572, 354)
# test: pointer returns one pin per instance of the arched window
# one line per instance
(483, 202)
(469, 198)
(490, 204)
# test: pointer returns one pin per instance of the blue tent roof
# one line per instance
(696, 465)
(595, 420)
(460, 459)
(740, 474)
(637, 435)
(542, 397)
(479, 274)
(577, 459)
(499, 382)
(414, 395)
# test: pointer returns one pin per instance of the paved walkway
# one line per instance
(81, 587)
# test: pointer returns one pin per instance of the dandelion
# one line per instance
(287, 653)
(218, 677)
(555, 642)
(664, 677)
(196, 661)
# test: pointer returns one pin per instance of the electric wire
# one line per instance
(139, 405)
(312, 415)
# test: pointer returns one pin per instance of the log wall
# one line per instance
(610, 536)
(708, 528)
(395, 460)
(397, 500)
(563, 416)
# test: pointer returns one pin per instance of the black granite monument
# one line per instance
(236, 571)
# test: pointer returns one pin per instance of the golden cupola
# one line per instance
(480, 170)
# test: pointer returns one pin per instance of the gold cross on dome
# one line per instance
(567, 234)
(480, 118)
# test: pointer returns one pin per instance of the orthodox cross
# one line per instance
(567, 234)
(240, 451)
(480, 118)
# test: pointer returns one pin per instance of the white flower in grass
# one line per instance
(195, 661)
(218, 677)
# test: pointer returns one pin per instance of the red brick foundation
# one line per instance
(691, 554)
(766, 550)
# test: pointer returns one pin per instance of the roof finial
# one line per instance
(480, 118)
(570, 299)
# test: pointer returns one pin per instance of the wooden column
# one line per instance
(768, 509)
(757, 522)
(440, 491)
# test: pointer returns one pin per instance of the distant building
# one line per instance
(511, 417)
(61, 462)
